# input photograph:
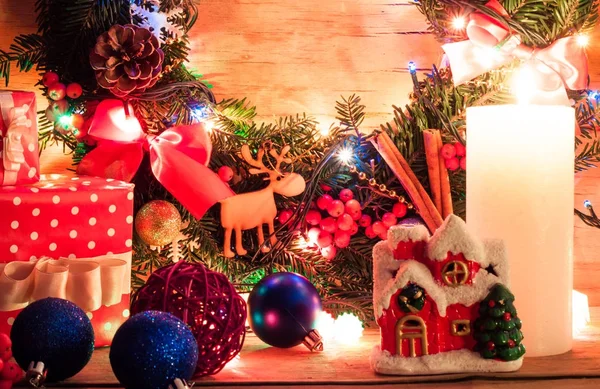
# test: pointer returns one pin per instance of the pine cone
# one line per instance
(127, 59)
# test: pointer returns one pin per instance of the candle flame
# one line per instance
(523, 84)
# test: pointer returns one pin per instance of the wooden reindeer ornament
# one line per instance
(254, 209)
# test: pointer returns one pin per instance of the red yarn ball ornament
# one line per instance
(207, 302)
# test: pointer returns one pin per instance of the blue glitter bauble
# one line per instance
(56, 332)
(283, 309)
(151, 350)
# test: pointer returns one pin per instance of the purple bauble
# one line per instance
(283, 309)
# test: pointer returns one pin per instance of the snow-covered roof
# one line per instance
(452, 237)
(399, 234)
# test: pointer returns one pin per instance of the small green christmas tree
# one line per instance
(498, 328)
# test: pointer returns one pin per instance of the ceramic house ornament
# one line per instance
(442, 304)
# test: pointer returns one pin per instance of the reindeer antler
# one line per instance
(257, 163)
(281, 157)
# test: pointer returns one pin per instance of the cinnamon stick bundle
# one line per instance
(419, 196)
(447, 208)
(432, 154)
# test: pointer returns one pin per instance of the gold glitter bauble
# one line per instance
(158, 223)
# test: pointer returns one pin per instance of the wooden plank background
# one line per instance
(291, 56)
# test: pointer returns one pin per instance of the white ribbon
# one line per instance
(88, 282)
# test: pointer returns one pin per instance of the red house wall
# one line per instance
(439, 336)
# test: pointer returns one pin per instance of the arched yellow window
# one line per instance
(414, 329)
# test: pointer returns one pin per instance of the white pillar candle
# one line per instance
(520, 184)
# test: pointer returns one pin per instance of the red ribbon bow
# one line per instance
(178, 157)
(491, 45)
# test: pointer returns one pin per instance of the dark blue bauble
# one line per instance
(56, 332)
(151, 350)
(411, 221)
(283, 309)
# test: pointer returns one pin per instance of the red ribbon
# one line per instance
(491, 45)
(179, 156)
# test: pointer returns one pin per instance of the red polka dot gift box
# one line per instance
(67, 237)
(19, 156)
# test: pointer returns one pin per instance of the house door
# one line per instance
(414, 330)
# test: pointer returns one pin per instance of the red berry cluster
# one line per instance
(334, 221)
(59, 106)
(455, 156)
(10, 372)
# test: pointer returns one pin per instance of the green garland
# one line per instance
(346, 281)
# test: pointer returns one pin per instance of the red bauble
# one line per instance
(364, 221)
(389, 219)
(352, 207)
(463, 163)
(448, 151)
(329, 252)
(5, 347)
(511, 343)
(313, 217)
(400, 209)
(324, 239)
(324, 201)
(12, 372)
(57, 91)
(74, 90)
(490, 345)
(507, 316)
(491, 303)
(335, 208)
(344, 222)
(461, 150)
(325, 187)
(207, 302)
(342, 239)
(354, 228)
(369, 232)
(329, 224)
(452, 163)
(346, 195)
(77, 120)
(378, 228)
(225, 173)
(285, 215)
(49, 79)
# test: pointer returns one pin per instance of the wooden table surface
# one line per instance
(340, 366)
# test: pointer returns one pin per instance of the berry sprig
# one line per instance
(60, 110)
(10, 372)
(332, 222)
(455, 156)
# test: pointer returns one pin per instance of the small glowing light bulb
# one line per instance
(66, 120)
(581, 311)
(348, 329)
(583, 40)
(325, 325)
(209, 125)
(345, 155)
(412, 67)
(587, 204)
(458, 23)
(324, 131)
